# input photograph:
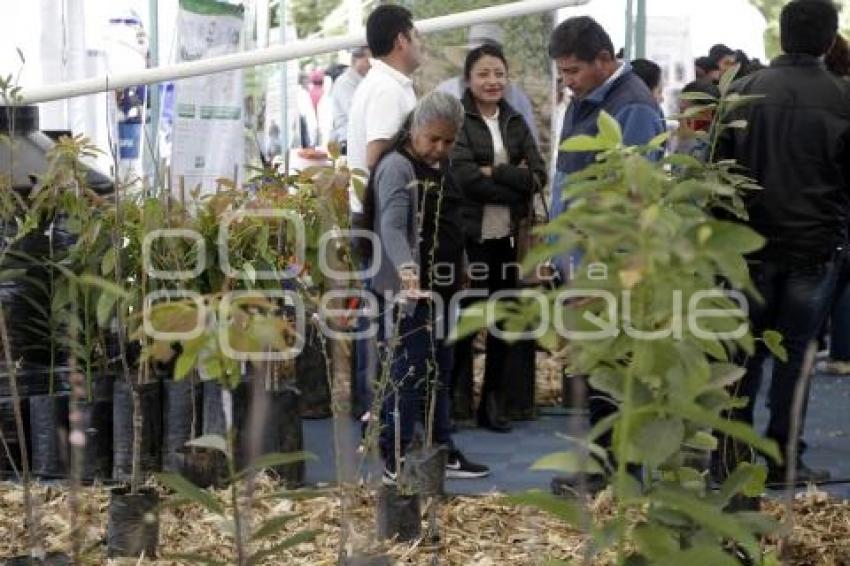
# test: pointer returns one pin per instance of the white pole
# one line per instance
(280, 53)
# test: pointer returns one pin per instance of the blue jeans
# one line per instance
(796, 301)
(839, 334)
(409, 374)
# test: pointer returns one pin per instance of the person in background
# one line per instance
(498, 166)
(796, 147)
(480, 34)
(414, 206)
(838, 59)
(706, 68)
(650, 74)
(584, 55)
(342, 94)
(724, 56)
(685, 141)
(381, 102)
(316, 87)
(838, 63)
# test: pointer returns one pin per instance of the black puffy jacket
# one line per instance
(797, 146)
(510, 184)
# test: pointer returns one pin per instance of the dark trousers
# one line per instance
(417, 356)
(839, 334)
(796, 301)
(494, 394)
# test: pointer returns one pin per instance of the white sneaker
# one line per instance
(834, 367)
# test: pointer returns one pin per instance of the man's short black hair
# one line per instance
(648, 71)
(383, 26)
(808, 26)
(581, 37)
(707, 64)
(719, 51)
(703, 86)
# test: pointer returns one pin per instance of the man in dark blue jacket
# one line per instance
(584, 55)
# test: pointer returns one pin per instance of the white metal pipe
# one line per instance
(280, 53)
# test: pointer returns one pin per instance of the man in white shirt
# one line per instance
(343, 91)
(381, 103)
(385, 97)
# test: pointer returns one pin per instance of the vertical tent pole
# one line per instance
(284, 96)
(628, 47)
(640, 30)
(149, 163)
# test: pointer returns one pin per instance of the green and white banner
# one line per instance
(207, 140)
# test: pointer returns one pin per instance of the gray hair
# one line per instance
(437, 106)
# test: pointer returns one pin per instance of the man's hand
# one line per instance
(487, 171)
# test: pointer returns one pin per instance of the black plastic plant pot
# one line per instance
(10, 433)
(182, 416)
(279, 431)
(122, 431)
(49, 436)
(204, 467)
(132, 523)
(311, 378)
(51, 559)
(399, 517)
(574, 392)
(96, 423)
(425, 470)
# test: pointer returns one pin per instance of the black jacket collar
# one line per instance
(797, 60)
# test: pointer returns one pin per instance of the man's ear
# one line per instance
(604, 57)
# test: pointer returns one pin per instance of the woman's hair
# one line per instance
(476, 54)
(437, 106)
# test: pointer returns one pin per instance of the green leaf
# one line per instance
(725, 374)
(187, 489)
(564, 509)
(732, 236)
(773, 341)
(274, 460)
(211, 441)
(272, 526)
(184, 364)
(568, 463)
(659, 140)
(609, 129)
(11, 274)
(585, 143)
(727, 78)
(105, 303)
(103, 284)
(655, 542)
(747, 479)
(735, 429)
(702, 555)
(107, 264)
(702, 440)
(302, 537)
(712, 518)
(654, 441)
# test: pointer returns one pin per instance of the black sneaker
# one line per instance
(458, 467)
(776, 475)
(570, 486)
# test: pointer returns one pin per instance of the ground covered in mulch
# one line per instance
(484, 530)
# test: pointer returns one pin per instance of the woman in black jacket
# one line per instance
(498, 166)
